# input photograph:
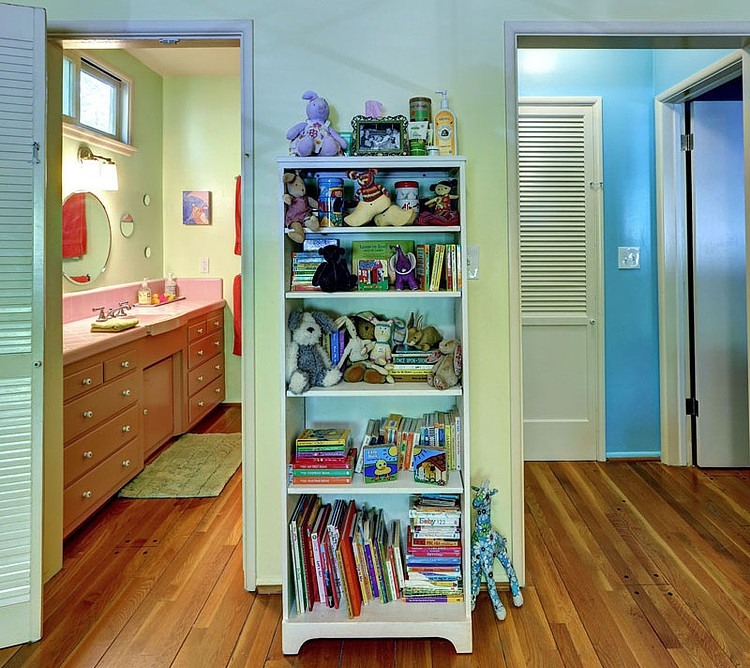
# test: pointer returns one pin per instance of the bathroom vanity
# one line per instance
(128, 393)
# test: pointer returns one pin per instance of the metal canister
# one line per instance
(331, 201)
(420, 109)
(407, 194)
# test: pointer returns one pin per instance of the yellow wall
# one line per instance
(202, 152)
(389, 51)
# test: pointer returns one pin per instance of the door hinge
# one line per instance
(691, 406)
(687, 142)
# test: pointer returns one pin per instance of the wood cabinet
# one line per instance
(101, 430)
(352, 405)
(120, 406)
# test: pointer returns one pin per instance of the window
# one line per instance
(96, 98)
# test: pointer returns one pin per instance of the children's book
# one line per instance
(431, 466)
(323, 436)
(380, 462)
(372, 275)
(437, 267)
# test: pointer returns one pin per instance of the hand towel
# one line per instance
(114, 325)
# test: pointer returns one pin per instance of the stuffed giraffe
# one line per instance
(486, 546)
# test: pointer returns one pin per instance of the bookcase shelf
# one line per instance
(350, 405)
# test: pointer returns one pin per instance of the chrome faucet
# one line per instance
(101, 317)
(120, 311)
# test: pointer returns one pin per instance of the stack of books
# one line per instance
(433, 550)
(410, 365)
(322, 456)
(304, 265)
(439, 267)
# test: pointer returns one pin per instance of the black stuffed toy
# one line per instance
(333, 275)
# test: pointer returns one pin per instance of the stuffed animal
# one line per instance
(299, 214)
(440, 208)
(315, 136)
(404, 268)
(333, 274)
(307, 364)
(420, 337)
(375, 202)
(368, 352)
(446, 372)
(486, 546)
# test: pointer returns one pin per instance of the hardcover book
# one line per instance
(380, 462)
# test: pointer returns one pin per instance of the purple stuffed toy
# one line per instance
(315, 136)
(404, 267)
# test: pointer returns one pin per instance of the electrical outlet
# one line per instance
(628, 257)
(472, 262)
(203, 266)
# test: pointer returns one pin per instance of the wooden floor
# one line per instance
(628, 564)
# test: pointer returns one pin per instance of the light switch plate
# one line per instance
(203, 265)
(472, 262)
(628, 257)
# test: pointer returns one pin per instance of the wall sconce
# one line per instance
(96, 171)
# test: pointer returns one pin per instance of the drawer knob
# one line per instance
(88, 454)
(217, 367)
(199, 352)
(126, 428)
(88, 414)
(125, 364)
(218, 390)
(200, 330)
(145, 411)
(125, 463)
(216, 323)
(201, 403)
(126, 393)
(217, 343)
(200, 378)
(87, 494)
(86, 381)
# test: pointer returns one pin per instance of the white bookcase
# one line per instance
(352, 404)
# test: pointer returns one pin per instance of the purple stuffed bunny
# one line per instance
(315, 136)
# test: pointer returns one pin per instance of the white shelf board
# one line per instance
(377, 294)
(405, 484)
(411, 230)
(390, 389)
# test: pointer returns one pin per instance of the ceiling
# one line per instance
(188, 60)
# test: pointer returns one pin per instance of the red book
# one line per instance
(453, 550)
(347, 553)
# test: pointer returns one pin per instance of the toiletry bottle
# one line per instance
(144, 293)
(445, 127)
(170, 285)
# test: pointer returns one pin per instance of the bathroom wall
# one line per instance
(202, 152)
(138, 174)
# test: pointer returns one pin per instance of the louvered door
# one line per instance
(22, 114)
(559, 175)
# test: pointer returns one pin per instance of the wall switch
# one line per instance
(628, 257)
(472, 262)
(203, 266)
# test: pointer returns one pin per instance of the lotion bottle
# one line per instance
(170, 285)
(445, 127)
(144, 293)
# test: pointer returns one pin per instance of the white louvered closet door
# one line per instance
(22, 122)
(560, 213)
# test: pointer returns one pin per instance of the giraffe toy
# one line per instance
(486, 546)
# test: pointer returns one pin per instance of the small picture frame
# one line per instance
(379, 136)
(196, 207)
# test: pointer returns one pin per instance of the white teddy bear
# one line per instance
(307, 364)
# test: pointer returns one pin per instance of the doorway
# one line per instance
(160, 35)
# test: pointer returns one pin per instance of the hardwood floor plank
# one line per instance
(256, 637)
(413, 652)
(368, 653)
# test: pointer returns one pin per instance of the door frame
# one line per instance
(672, 244)
(561, 34)
(212, 30)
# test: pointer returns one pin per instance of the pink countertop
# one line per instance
(79, 342)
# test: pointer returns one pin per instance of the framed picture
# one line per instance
(196, 207)
(379, 136)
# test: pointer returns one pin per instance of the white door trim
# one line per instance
(639, 34)
(208, 29)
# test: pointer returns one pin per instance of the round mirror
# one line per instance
(86, 237)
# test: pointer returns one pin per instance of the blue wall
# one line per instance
(627, 81)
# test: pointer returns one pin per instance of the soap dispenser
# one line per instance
(445, 127)
(144, 293)
(170, 285)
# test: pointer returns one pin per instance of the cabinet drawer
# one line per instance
(215, 322)
(204, 349)
(120, 364)
(86, 494)
(202, 375)
(206, 399)
(82, 381)
(197, 329)
(98, 406)
(90, 450)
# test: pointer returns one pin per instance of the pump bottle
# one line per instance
(445, 127)
(144, 293)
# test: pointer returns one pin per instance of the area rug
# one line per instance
(195, 465)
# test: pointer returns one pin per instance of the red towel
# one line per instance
(237, 308)
(74, 226)
(238, 215)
